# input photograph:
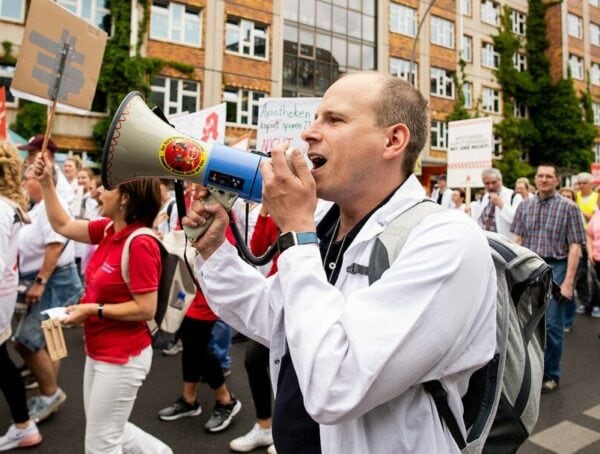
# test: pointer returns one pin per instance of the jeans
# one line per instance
(220, 343)
(109, 392)
(555, 325)
(62, 289)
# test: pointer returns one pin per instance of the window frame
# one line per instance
(488, 51)
(495, 99)
(21, 18)
(520, 61)
(469, 8)
(442, 78)
(181, 92)
(575, 26)
(78, 10)
(490, 12)
(170, 5)
(9, 75)
(439, 30)
(406, 25)
(440, 128)
(594, 34)
(468, 94)
(240, 112)
(467, 40)
(252, 39)
(519, 22)
(595, 73)
(576, 59)
(396, 64)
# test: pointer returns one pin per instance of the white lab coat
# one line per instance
(361, 352)
(503, 216)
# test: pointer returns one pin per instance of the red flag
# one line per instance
(3, 125)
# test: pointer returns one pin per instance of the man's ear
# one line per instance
(396, 140)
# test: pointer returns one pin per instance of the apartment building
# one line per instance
(243, 50)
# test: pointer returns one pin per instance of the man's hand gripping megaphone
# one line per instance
(289, 192)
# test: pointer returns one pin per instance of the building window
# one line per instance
(597, 152)
(467, 90)
(442, 83)
(497, 147)
(595, 3)
(520, 110)
(246, 37)
(575, 26)
(594, 34)
(442, 32)
(6, 76)
(576, 65)
(175, 95)
(595, 74)
(13, 10)
(439, 134)
(490, 12)
(489, 57)
(596, 113)
(176, 23)
(93, 11)
(401, 68)
(465, 7)
(490, 100)
(242, 105)
(519, 22)
(466, 53)
(403, 20)
(520, 61)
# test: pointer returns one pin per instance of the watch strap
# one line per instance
(289, 239)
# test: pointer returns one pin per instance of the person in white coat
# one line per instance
(442, 194)
(348, 359)
(496, 211)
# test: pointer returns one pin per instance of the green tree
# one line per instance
(459, 112)
(31, 119)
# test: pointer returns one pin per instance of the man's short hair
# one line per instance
(491, 172)
(441, 176)
(554, 166)
(400, 102)
(584, 177)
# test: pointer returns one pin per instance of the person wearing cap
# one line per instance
(33, 146)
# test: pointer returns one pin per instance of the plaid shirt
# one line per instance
(548, 226)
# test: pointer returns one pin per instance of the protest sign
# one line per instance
(60, 58)
(282, 120)
(470, 145)
(207, 125)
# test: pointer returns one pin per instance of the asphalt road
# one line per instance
(560, 412)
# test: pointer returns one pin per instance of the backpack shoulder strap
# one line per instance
(390, 242)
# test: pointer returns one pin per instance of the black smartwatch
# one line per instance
(40, 280)
(289, 239)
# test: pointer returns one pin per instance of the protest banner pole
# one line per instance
(54, 95)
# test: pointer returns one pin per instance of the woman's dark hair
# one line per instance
(143, 201)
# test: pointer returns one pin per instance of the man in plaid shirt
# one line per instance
(551, 226)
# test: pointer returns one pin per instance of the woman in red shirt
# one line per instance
(117, 338)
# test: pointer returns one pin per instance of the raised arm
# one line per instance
(61, 221)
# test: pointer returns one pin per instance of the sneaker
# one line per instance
(581, 309)
(180, 409)
(256, 438)
(30, 382)
(222, 415)
(595, 312)
(20, 438)
(271, 450)
(549, 386)
(40, 409)
(173, 349)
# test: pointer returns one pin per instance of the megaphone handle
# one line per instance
(215, 195)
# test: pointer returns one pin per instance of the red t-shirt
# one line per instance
(199, 308)
(263, 237)
(115, 341)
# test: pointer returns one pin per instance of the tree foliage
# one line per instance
(31, 119)
(555, 130)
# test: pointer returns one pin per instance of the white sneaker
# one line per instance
(20, 438)
(256, 438)
(271, 450)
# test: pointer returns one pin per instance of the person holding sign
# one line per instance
(348, 359)
(496, 210)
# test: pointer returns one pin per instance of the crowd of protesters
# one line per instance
(72, 232)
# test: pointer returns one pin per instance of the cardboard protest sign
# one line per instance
(470, 145)
(207, 125)
(3, 125)
(42, 75)
(282, 120)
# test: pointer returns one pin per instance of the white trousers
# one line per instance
(109, 392)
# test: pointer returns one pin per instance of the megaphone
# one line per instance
(140, 145)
